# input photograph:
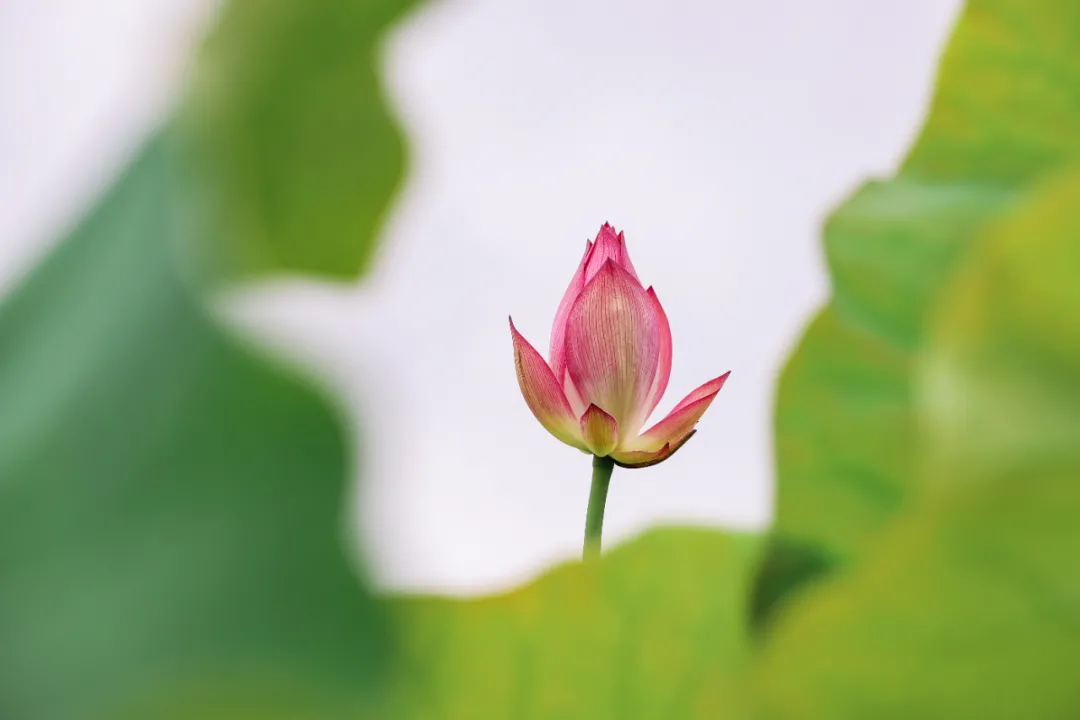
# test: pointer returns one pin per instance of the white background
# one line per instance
(718, 135)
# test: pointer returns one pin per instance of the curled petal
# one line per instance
(543, 393)
(681, 420)
(558, 328)
(612, 343)
(600, 431)
(640, 458)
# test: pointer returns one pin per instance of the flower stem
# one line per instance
(594, 516)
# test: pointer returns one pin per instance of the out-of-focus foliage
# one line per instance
(844, 421)
(999, 390)
(656, 631)
(172, 508)
(1006, 107)
(968, 605)
(944, 463)
(171, 511)
(287, 116)
(1005, 112)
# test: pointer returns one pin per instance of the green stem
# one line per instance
(594, 516)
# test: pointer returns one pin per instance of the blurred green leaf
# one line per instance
(657, 630)
(968, 610)
(968, 606)
(171, 509)
(784, 566)
(1006, 108)
(999, 382)
(1005, 111)
(844, 424)
(288, 117)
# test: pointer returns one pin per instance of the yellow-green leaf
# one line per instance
(1005, 113)
(655, 630)
(967, 605)
(288, 118)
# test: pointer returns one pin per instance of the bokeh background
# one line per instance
(260, 424)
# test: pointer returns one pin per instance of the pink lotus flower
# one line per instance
(609, 364)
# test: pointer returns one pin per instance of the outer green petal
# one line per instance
(600, 431)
